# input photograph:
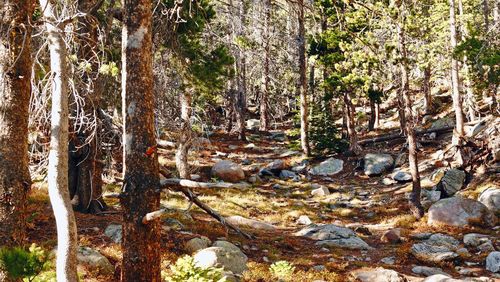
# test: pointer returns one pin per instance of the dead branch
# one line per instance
(205, 185)
(390, 137)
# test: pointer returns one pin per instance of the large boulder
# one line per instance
(225, 255)
(332, 235)
(491, 199)
(328, 167)
(376, 164)
(458, 211)
(493, 262)
(94, 260)
(437, 249)
(250, 223)
(452, 181)
(377, 275)
(228, 171)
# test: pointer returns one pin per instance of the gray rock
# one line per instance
(304, 220)
(254, 179)
(253, 124)
(443, 122)
(431, 196)
(427, 271)
(376, 164)
(196, 244)
(402, 176)
(388, 260)
(94, 260)
(173, 224)
(491, 199)
(438, 248)
(250, 223)
(285, 174)
(319, 192)
(447, 278)
(486, 247)
(452, 181)
(377, 275)
(319, 267)
(226, 255)
(228, 171)
(328, 167)
(475, 239)
(276, 165)
(457, 211)
(493, 262)
(114, 231)
(333, 236)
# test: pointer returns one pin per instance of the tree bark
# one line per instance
(185, 138)
(351, 125)
(15, 89)
(426, 88)
(141, 189)
(58, 154)
(415, 205)
(264, 111)
(371, 122)
(240, 101)
(304, 123)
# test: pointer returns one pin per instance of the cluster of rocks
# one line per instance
(331, 235)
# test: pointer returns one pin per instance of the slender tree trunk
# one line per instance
(264, 115)
(304, 123)
(241, 77)
(457, 100)
(401, 112)
(470, 99)
(426, 89)
(141, 193)
(58, 155)
(185, 138)
(371, 122)
(377, 115)
(351, 124)
(415, 205)
(15, 88)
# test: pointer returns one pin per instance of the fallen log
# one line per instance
(206, 185)
(163, 144)
(390, 137)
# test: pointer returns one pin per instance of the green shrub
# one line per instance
(20, 263)
(185, 270)
(282, 269)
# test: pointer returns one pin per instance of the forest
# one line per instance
(249, 140)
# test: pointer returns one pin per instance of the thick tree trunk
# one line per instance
(141, 190)
(58, 155)
(15, 88)
(304, 123)
(264, 111)
(415, 205)
(457, 100)
(351, 125)
(185, 138)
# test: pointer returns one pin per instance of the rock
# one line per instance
(452, 181)
(197, 244)
(304, 220)
(475, 239)
(333, 236)
(233, 147)
(427, 271)
(114, 231)
(228, 171)
(438, 248)
(388, 260)
(447, 278)
(377, 275)
(319, 267)
(226, 255)
(376, 164)
(328, 167)
(319, 192)
(388, 181)
(94, 260)
(195, 177)
(250, 146)
(285, 174)
(173, 224)
(421, 236)
(392, 236)
(278, 136)
(443, 122)
(363, 230)
(276, 165)
(402, 176)
(491, 199)
(253, 124)
(486, 247)
(254, 179)
(457, 211)
(493, 262)
(250, 223)
(431, 196)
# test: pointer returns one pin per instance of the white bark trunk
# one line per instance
(58, 155)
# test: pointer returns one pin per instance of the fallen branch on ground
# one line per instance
(400, 136)
(194, 184)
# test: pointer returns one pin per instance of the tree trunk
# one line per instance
(457, 101)
(426, 89)
(377, 115)
(141, 191)
(264, 115)
(415, 205)
(304, 123)
(371, 122)
(241, 76)
(351, 125)
(401, 112)
(185, 138)
(58, 155)
(15, 88)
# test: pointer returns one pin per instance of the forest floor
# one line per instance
(364, 204)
